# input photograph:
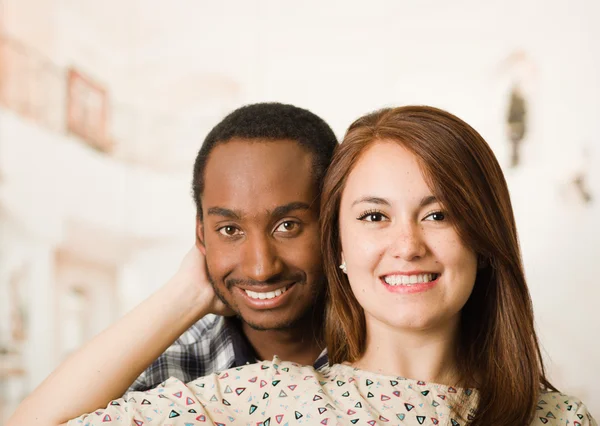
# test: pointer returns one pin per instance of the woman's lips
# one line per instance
(410, 283)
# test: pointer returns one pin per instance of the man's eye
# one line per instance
(436, 216)
(287, 226)
(229, 231)
(372, 217)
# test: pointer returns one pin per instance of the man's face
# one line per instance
(260, 230)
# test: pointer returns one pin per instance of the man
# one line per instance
(257, 181)
(256, 185)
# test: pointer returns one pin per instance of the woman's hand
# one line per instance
(193, 276)
(105, 367)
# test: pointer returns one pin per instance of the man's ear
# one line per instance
(200, 236)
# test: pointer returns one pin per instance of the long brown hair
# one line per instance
(498, 348)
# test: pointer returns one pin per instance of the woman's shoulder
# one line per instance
(268, 368)
(552, 409)
(556, 408)
(239, 395)
(258, 376)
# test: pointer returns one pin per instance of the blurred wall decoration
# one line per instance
(516, 123)
(104, 105)
(87, 110)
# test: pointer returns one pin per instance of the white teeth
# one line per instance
(409, 279)
(266, 295)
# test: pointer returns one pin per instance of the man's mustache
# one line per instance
(289, 278)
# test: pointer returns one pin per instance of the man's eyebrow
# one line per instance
(228, 213)
(372, 200)
(288, 208)
(277, 211)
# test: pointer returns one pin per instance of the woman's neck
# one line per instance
(428, 355)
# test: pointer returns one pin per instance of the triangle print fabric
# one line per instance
(276, 393)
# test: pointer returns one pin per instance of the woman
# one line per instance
(429, 316)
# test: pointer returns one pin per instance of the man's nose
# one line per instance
(261, 260)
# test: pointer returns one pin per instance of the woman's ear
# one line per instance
(482, 261)
(343, 265)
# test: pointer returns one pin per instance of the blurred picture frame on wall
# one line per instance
(87, 111)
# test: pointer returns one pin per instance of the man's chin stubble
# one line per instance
(282, 326)
(311, 314)
(303, 319)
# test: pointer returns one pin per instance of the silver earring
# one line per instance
(343, 268)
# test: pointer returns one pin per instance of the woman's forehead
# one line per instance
(386, 170)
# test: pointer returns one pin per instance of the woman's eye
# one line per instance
(229, 231)
(287, 226)
(436, 216)
(373, 217)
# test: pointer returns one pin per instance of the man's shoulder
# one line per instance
(206, 347)
(207, 328)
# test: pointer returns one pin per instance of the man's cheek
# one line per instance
(309, 261)
(215, 258)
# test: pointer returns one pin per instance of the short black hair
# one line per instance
(268, 121)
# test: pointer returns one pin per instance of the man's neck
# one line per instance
(301, 344)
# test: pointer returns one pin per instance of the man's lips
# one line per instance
(266, 297)
(270, 293)
(265, 291)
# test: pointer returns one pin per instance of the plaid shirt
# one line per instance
(213, 344)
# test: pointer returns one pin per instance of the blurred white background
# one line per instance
(104, 104)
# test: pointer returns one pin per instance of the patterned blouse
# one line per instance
(275, 393)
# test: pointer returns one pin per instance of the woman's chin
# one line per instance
(411, 322)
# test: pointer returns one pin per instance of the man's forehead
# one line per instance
(258, 166)
(240, 148)
(257, 178)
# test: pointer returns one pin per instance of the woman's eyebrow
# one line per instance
(425, 201)
(430, 199)
(372, 200)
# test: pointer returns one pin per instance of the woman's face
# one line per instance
(406, 264)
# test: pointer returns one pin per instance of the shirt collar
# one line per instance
(243, 351)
